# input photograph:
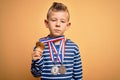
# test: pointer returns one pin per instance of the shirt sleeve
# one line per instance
(36, 67)
(77, 72)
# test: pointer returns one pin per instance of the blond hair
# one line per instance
(58, 7)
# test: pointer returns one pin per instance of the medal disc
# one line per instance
(55, 70)
(62, 69)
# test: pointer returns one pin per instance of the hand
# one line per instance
(37, 53)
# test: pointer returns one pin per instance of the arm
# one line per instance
(77, 72)
(37, 60)
(36, 67)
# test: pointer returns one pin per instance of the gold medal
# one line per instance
(41, 45)
(54, 70)
(62, 69)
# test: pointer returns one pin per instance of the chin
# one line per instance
(57, 35)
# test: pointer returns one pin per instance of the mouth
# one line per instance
(57, 30)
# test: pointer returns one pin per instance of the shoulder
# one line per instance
(42, 39)
(72, 44)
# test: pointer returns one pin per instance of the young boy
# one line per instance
(60, 59)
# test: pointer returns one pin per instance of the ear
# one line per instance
(46, 23)
(68, 25)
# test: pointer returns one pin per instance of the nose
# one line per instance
(57, 24)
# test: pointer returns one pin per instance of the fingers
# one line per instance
(36, 55)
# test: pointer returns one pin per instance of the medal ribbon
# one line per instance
(52, 48)
(51, 39)
(54, 52)
(59, 51)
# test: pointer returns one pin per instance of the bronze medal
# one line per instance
(54, 70)
(62, 69)
(41, 45)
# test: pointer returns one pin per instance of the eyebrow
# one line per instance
(56, 18)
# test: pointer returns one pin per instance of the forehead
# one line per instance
(59, 14)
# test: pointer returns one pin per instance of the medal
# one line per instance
(56, 53)
(54, 70)
(62, 69)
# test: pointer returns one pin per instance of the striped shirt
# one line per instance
(72, 62)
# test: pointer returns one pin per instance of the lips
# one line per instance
(57, 30)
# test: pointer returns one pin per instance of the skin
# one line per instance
(57, 23)
(37, 53)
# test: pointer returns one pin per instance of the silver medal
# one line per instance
(54, 70)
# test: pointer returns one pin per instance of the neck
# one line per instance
(52, 36)
(56, 42)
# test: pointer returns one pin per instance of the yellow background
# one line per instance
(95, 28)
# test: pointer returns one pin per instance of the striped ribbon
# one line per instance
(52, 49)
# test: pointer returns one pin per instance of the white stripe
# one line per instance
(56, 77)
(51, 51)
(51, 40)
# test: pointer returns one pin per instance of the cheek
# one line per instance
(50, 25)
(50, 28)
(65, 27)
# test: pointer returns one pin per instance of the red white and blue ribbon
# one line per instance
(47, 39)
(52, 49)
(58, 52)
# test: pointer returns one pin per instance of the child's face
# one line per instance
(57, 23)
